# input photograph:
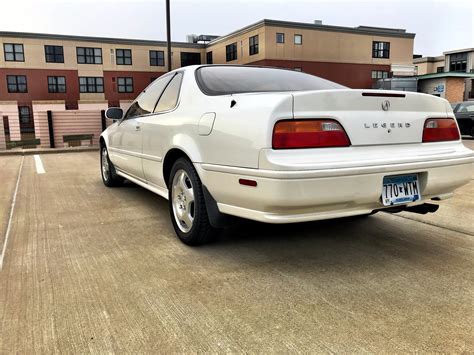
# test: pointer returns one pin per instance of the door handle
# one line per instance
(137, 128)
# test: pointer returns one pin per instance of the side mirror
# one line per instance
(114, 113)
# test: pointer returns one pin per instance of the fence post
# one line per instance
(50, 128)
(102, 116)
(3, 144)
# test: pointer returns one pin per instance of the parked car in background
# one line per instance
(281, 146)
(464, 112)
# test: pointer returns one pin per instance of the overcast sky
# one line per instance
(439, 25)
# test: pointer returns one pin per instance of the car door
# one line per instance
(157, 130)
(126, 140)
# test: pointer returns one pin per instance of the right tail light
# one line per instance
(440, 130)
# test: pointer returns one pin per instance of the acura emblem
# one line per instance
(385, 105)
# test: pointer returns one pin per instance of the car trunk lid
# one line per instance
(372, 117)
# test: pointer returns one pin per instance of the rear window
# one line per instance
(224, 80)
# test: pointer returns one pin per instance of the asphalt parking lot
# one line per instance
(92, 269)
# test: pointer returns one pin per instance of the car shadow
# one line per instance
(351, 242)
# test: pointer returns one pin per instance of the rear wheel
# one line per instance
(108, 172)
(187, 206)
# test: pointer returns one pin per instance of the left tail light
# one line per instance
(321, 133)
(440, 129)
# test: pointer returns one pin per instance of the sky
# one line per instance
(440, 25)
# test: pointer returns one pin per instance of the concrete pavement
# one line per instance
(92, 269)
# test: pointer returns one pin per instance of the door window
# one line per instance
(146, 102)
(169, 98)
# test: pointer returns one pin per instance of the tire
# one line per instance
(107, 169)
(187, 205)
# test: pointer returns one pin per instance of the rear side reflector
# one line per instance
(248, 182)
(320, 133)
(440, 129)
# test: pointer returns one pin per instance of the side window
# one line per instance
(169, 99)
(145, 103)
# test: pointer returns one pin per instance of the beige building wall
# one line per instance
(337, 47)
(428, 67)
(218, 49)
(317, 46)
(35, 56)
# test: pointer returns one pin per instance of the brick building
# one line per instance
(86, 71)
(450, 76)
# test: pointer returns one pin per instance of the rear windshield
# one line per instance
(223, 80)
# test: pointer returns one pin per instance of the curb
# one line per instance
(48, 151)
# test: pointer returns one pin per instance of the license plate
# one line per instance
(400, 189)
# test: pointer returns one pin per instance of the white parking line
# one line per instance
(39, 164)
(12, 208)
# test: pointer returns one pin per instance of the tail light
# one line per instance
(309, 134)
(440, 129)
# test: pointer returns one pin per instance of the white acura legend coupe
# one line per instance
(281, 146)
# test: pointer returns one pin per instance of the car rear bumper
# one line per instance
(298, 196)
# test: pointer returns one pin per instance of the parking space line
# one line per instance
(39, 164)
(12, 208)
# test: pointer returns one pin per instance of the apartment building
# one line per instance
(354, 57)
(77, 69)
(450, 76)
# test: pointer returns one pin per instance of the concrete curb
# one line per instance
(48, 151)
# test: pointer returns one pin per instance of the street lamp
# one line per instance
(168, 33)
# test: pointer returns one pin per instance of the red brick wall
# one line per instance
(356, 76)
(455, 89)
(140, 81)
(37, 82)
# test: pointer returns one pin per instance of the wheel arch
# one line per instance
(168, 161)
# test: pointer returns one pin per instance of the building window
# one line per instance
(253, 45)
(458, 62)
(56, 84)
(157, 58)
(13, 52)
(54, 54)
(298, 69)
(209, 57)
(123, 56)
(231, 52)
(280, 37)
(89, 55)
(298, 39)
(380, 49)
(91, 84)
(379, 74)
(440, 70)
(125, 85)
(190, 58)
(16, 83)
(24, 114)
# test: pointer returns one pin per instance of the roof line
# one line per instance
(445, 74)
(98, 39)
(364, 30)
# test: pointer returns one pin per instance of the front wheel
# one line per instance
(109, 175)
(187, 206)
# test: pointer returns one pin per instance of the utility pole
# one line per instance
(168, 33)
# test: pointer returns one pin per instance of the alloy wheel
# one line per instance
(182, 195)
